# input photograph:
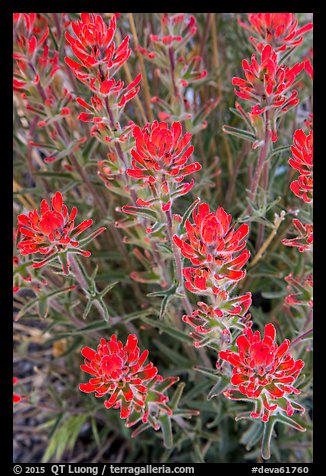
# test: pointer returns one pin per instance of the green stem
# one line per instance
(260, 164)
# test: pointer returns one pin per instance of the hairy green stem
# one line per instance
(261, 163)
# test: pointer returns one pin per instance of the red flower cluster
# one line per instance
(119, 371)
(53, 232)
(264, 372)
(280, 30)
(99, 62)
(215, 247)
(304, 239)
(302, 160)
(160, 159)
(268, 84)
(94, 46)
(36, 27)
(95, 49)
(32, 55)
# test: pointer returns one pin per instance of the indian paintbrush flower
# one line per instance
(160, 157)
(280, 30)
(52, 232)
(120, 373)
(98, 58)
(268, 85)
(216, 249)
(93, 45)
(264, 372)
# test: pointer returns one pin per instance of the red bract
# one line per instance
(268, 84)
(264, 372)
(211, 324)
(280, 30)
(304, 239)
(53, 232)
(302, 160)
(118, 371)
(160, 159)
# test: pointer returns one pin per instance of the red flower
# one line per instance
(276, 29)
(36, 30)
(94, 48)
(211, 324)
(99, 62)
(53, 232)
(160, 159)
(119, 371)
(94, 45)
(302, 160)
(211, 236)
(15, 397)
(264, 372)
(268, 85)
(216, 248)
(304, 239)
(32, 55)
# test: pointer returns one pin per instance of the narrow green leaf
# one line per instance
(267, 436)
(165, 422)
